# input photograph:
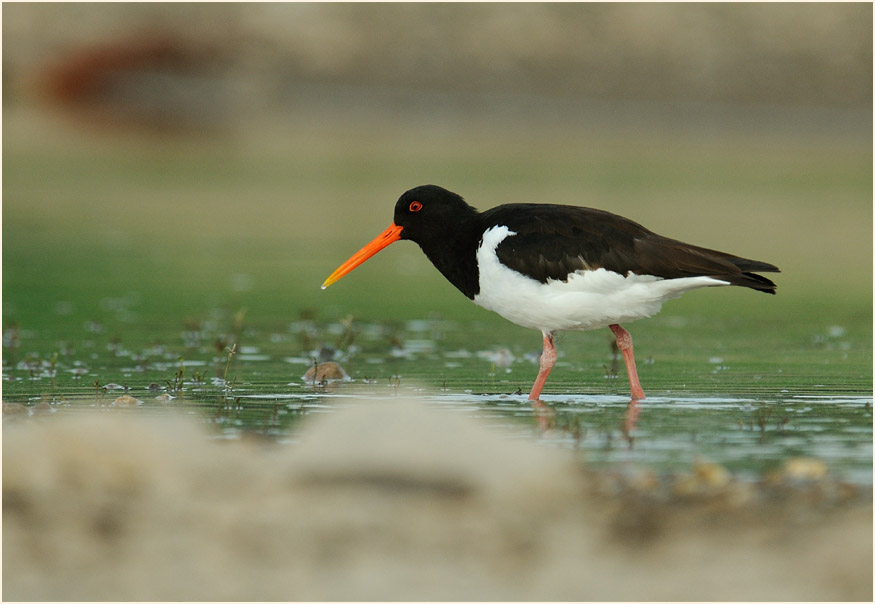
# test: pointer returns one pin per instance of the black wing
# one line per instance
(553, 241)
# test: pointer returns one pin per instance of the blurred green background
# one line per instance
(161, 160)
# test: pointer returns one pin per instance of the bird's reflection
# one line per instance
(545, 418)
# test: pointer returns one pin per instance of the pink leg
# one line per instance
(624, 343)
(548, 359)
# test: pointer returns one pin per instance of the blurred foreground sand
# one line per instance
(383, 501)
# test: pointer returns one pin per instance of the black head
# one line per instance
(428, 212)
(444, 226)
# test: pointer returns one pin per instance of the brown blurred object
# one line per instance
(154, 81)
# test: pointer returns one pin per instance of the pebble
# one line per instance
(325, 372)
(707, 479)
(804, 468)
(126, 401)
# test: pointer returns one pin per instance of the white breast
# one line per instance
(587, 300)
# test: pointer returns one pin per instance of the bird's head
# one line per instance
(422, 214)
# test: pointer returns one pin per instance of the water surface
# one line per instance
(698, 410)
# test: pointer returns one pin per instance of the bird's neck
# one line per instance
(454, 254)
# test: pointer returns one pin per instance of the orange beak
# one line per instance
(390, 235)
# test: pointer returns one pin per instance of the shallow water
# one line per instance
(750, 427)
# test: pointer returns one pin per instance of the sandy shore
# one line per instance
(395, 501)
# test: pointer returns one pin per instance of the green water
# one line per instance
(135, 268)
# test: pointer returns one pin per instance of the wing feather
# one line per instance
(553, 241)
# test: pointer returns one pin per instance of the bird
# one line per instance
(554, 267)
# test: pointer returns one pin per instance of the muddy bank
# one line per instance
(395, 501)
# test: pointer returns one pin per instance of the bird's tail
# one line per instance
(751, 279)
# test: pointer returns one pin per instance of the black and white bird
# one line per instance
(556, 267)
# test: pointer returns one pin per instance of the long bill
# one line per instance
(390, 235)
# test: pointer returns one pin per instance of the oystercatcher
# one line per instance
(555, 267)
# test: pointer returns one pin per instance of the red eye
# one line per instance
(415, 206)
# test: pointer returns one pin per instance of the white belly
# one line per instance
(588, 300)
